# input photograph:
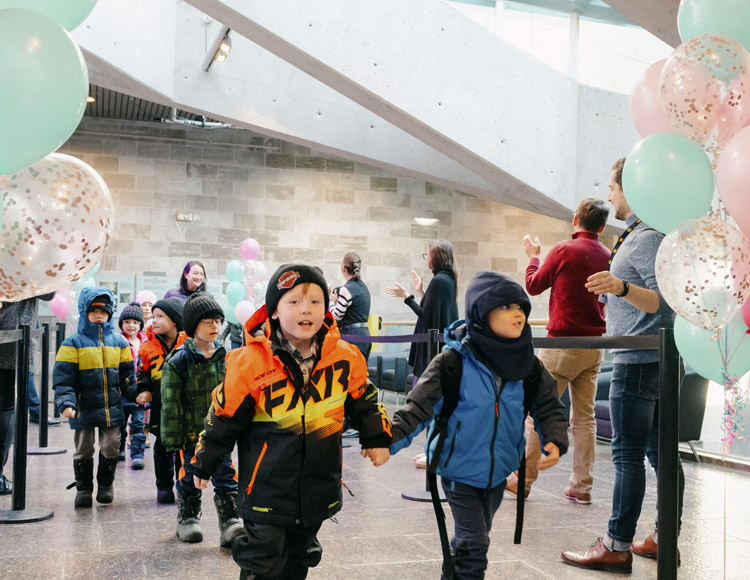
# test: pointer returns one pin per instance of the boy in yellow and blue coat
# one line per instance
(93, 370)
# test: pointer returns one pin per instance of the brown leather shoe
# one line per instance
(511, 486)
(598, 557)
(649, 549)
(582, 498)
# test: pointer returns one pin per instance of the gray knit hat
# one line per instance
(132, 311)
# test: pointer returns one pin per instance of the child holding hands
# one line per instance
(283, 401)
(484, 439)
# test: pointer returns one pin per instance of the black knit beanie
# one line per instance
(102, 302)
(198, 307)
(287, 277)
(172, 307)
(132, 311)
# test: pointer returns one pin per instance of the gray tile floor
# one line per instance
(377, 535)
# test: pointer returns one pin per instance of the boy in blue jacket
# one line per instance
(93, 369)
(484, 440)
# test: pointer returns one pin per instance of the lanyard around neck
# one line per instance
(624, 235)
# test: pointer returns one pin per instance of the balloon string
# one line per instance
(733, 421)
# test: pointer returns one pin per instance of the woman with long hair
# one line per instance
(350, 303)
(437, 307)
(193, 280)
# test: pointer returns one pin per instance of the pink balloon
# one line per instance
(60, 305)
(646, 111)
(249, 249)
(733, 179)
(243, 310)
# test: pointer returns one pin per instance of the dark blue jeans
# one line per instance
(225, 478)
(634, 409)
(137, 433)
(473, 510)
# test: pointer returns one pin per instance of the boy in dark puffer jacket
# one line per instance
(93, 370)
(189, 376)
(484, 438)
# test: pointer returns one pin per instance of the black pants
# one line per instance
(269, 552)
(7, 414)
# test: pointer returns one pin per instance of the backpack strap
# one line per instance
(451, 364)
(530, 387)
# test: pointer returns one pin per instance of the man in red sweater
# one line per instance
(572, 312)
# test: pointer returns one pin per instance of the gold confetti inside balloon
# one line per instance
(703, 271)
(705, 86)
(57, 219)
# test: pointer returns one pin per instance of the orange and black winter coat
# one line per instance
(152, 354)
(288, 433)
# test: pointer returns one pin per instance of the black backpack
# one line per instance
(451, 367)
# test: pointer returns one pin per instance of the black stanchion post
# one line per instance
(668, 479)
(424, 494)
(59, 337)
(22, 417)
(44, 448)
(19, 512)
(44, 389)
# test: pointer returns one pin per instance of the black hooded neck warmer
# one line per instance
(510, 358)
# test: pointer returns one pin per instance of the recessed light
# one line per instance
(425, 221)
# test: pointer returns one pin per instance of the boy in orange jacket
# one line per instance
(164, 335)
(283, 401)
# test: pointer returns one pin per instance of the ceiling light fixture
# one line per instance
(426, 221)
(219, 49)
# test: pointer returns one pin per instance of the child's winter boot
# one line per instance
(188, 516)
(230, 525)
(105, 478)
(84, 472)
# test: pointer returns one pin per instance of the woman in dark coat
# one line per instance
(438, 307)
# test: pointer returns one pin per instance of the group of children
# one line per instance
(282, 399)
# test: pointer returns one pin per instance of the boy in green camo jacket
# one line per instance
(189, 376)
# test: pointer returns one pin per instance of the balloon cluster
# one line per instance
(693, 111)
(246, 290)
(55, 211)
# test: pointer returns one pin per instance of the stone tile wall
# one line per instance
(301, 205)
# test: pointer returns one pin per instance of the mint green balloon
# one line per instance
(67, 13)
(667, 179)
(234, 271)
(44, 87)
(235, 293)
(704, 355)
(229, 315)
(726, 17)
